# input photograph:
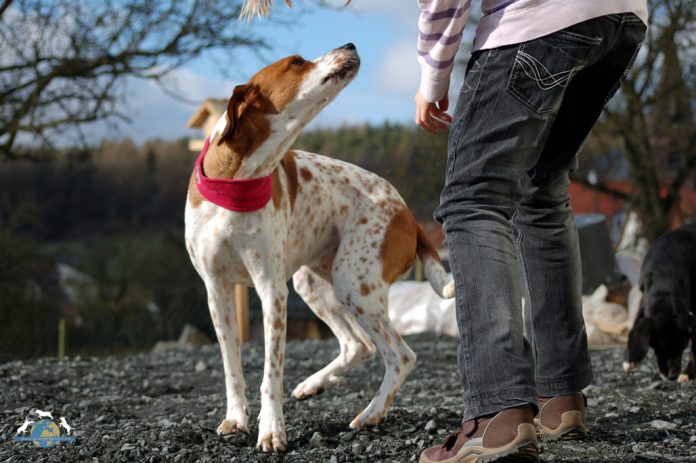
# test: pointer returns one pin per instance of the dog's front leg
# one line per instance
(273, 294)
(224, 315)
(690, 370)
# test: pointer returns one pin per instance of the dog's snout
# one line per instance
(348, 46)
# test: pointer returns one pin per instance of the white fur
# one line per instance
(329, 242)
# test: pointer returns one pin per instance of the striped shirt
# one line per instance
(503, 22)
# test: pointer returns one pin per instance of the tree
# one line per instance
(653, 117)
(64, 63)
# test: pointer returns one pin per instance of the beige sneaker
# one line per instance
(508, 436)
(562, 417)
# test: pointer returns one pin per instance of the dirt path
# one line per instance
(165, 407)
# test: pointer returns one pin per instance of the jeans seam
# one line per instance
(523, 259)
(455, 147)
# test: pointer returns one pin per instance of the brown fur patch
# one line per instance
(268, 92)
(290, 167)
(424, 247)
(389, 401)
(306, 174)
(194, 196)
(364, 289)
(277, 189)
(399, 246)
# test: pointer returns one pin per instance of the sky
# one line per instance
(384, 32)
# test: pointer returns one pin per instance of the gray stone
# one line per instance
(663, 425)
(431, 427)
(317, 441)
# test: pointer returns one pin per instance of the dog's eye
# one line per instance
(297, 61)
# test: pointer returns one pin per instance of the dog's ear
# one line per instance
(241, 100)
(639, 340)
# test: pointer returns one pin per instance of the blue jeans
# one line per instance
(523, 114)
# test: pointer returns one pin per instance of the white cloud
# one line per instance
(399, 72)
(155, 114)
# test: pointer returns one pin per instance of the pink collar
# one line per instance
(240, 195)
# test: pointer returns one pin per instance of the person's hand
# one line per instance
(430, 116)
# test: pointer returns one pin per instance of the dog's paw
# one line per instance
(314, 386)
(275, 441)
(448, 291)
(272, 436)
(230, 426)
(683, 378)
(366, 420)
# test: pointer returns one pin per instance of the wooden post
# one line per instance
(61, 338)
(241, 297)
(419, 273)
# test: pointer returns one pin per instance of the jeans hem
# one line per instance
(564, 385)
(493, 403)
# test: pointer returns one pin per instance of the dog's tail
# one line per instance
(439, 279)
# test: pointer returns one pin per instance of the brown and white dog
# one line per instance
(342, 233)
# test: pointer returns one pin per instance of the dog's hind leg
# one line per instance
(368, 302)
(356, 347)
(224, 316)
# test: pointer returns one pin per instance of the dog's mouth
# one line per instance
(347, 69)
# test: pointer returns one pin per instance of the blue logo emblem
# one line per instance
(44, 433)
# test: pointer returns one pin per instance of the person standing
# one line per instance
(539, 76)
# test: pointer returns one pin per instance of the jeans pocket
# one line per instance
(544, 67)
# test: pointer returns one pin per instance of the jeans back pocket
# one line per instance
(544, 67)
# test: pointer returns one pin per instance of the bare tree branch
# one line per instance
(63, 60)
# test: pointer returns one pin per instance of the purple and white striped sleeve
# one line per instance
(440, 29)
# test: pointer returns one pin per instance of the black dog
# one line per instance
(666, 319)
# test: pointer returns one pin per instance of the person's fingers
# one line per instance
(433, 125)
(440, 114)
(443, 104)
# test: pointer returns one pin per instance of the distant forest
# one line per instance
(115, 214)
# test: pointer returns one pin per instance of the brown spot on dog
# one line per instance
(306, 174)
(228, 322)
(194, 196)
(364, 289)
(290, 167)
(278, 324)
(424, 247)
(277, 189)
(399, 246)
(359, 310)
(268, 92)
(389, 401)
(362, 221)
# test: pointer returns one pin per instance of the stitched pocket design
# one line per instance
(543, 68)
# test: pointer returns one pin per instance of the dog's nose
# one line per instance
(349, 46)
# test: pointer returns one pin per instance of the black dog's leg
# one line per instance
(690, 370)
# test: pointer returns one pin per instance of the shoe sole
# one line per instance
(572, 427)
(523, 449)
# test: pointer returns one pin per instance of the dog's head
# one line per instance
(663, 323)
(267, 113)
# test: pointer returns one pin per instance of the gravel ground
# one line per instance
(165, 406)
